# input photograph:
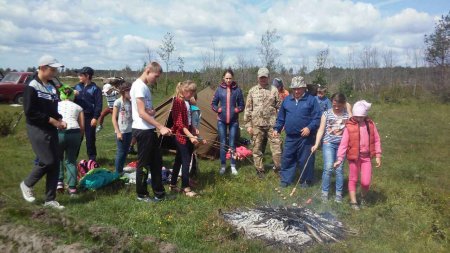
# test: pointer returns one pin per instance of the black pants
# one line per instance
(90, 137)
(45, 145)
(183, 160)
(149, 158)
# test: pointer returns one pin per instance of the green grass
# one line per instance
(409, 201)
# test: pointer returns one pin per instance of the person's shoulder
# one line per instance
(34, 84)
(253, 89)
(118, 102)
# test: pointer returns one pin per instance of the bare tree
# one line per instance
(321, 61)
(212, 60)
(268, 52)
(166, 49)
(181, 65)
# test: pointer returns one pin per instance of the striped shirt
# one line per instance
(110, 98)
(334, 126)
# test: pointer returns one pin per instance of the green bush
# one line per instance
(7, 122)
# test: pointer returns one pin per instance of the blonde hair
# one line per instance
(154, 67)
(187, 85)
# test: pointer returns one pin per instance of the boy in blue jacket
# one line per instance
(89, 97)
(299, 114)
(231, 101)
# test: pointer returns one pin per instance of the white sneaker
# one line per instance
(233, 170)
(53, 204)
(222, 171)
(27, 192)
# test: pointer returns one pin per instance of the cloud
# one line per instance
(111, 34)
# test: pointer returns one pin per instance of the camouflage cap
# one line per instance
(297, 82)
(263, 72)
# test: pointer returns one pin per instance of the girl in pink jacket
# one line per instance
(360, 142)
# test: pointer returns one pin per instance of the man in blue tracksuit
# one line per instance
(89, 97)
(299, 115)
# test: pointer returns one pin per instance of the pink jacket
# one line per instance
(364, 145)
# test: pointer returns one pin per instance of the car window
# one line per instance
(11, 77)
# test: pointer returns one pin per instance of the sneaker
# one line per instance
(146, 199)
(233, 170)
(222, 171)
(99, 128)
(324, 196)
(338, 198)
(60, 187)
(53, 204)
(354, 206)
(27, 192)
(73, 193)
(159, 199)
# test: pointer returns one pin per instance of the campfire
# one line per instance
(293, 227)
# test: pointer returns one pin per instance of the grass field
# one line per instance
(408, 211)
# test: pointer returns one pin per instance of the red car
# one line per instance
(13, 85)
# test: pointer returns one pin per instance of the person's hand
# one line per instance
(305, 132)
(275, 134)
(337, 163)
(378, 161)
(204, 142)
(194, 140)
(196, 131)
(61, 125)
(93, 122)
(250, 130)
(236, 110)
(75, 92)
(314, 148)
(165, 131)
(219, 110)
(119, 136)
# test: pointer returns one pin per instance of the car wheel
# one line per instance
(18, 99)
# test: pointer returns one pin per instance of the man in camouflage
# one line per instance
(259, 117)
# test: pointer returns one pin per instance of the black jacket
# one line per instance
(40, 103)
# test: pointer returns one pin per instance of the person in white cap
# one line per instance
(259, 118)
(111, 93)
(299, 115)
(43, 121)
(360, 142)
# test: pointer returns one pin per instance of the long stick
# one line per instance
(298, 181)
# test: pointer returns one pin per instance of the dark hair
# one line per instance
(124, 87)
(339, 97)
(229, 70)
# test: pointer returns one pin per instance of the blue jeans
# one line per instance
(233, 128)
(122, 151)
(329, 151)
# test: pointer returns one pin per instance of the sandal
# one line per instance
(174, 188)
(189, 193)
(354, 206)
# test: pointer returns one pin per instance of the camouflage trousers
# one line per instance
(259, 139)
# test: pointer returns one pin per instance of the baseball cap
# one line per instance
(263, 72)
(106, 87)
(86, 70)
(48, 60)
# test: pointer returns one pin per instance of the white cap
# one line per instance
(106, 87)
(48, 60)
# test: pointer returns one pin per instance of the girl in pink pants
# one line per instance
(360, 142)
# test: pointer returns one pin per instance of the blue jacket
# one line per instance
(231, 102)
(89, 98)
(324, 103)
(294, 116)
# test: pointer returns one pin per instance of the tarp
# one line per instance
(208, 124)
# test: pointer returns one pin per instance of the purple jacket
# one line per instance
(231, 102)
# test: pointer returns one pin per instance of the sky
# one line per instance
(111, 34)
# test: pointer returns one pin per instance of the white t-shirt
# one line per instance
(140, 90)
(70, 113)
(188, 107)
